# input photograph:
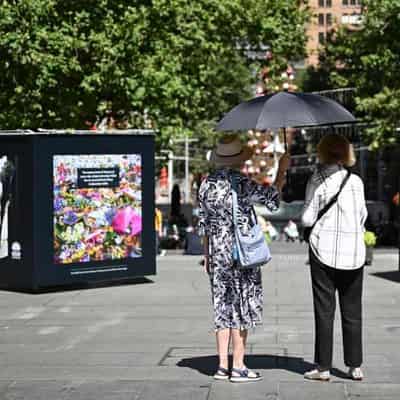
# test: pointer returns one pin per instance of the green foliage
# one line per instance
(369, 60)
(369, 239)
(180, 62)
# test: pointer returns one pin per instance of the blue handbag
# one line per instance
(250, 250)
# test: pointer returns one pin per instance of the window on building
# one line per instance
(353, 2)
(328, 19)
(355, 19)
(320, 19)
(321, 38)
(345, 2)
(328, 3)
(321, 3)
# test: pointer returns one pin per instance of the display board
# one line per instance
(88, 202)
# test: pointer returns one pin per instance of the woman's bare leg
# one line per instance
(239, 338)
(223, 336)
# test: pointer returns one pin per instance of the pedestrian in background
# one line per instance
(237, 294)
(337, 254)
(291, 232)
(158, 225)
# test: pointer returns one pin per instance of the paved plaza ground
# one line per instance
(153, 339)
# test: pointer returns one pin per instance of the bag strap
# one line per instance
(333, 200)
(234, 200)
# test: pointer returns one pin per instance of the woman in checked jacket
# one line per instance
(337, 254)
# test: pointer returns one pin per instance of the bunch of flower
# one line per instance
(95, 224)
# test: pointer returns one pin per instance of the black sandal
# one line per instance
(222, 374)
(245, 375)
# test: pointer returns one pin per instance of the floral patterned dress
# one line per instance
(236, 293)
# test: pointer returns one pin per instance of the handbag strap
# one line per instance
(234, 200)
(333, 200)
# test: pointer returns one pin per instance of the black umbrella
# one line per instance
(282, 110)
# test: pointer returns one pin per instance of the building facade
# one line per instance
(328, 14)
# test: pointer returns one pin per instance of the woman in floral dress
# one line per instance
(236, 293)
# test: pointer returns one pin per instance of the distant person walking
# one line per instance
(291, 232)
(337, 254)
(236, 293)
(158, 225)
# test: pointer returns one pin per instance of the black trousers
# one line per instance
(325, 282)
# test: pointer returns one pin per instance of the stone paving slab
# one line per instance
(312, 391)
(155, 340)
(266, 389)
(99, 359)
(373, 391)
(95, 390)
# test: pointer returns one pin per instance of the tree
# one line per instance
(176, 63)
(369, 60)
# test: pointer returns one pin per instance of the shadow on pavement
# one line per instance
(207, 364)
(389, 275)
(80, 286)
(338, 373)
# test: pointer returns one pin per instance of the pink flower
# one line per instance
(136, 224)
(95, 236)
(127, 220)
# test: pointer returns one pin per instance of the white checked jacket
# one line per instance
(337, 239)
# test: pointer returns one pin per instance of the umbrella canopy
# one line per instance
(284, 109)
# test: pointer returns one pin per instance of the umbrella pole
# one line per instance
(284, 139)
(286, 151)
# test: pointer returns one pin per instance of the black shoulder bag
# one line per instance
(307, 230)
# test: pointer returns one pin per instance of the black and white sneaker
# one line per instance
(244, 375)
(317, 375)
(222, 374)
(356, 374)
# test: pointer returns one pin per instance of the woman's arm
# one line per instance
(202, 225)
(364, 211)
(311, 204)
(280, 180)
(269, 196)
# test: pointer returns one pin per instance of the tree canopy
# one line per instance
(369, 60)
(178, 62)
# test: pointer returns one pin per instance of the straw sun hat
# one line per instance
(230, 152)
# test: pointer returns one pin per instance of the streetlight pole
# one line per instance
(186, 140)
(187, 197)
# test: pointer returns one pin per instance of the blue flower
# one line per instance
(70, 218)
(58, 204)
(109, 215)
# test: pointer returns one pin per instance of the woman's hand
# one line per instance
(284, 164)
(206, 260)
(206, 264)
